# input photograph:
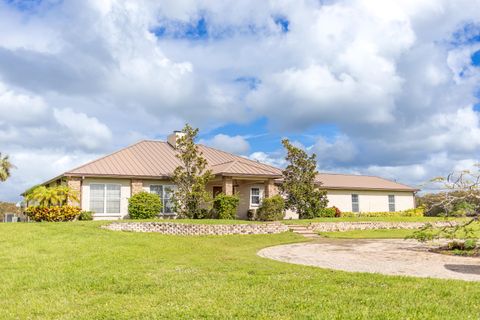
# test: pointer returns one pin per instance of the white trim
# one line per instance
(172, 187)
(104, 213)
(391, 203)
(356, 202)
(259, 197)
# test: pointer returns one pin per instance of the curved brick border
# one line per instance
(371, 225)
(185, 229)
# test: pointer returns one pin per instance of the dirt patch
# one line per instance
(387, 256)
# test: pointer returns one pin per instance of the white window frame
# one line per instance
(357, 203)
(391, 204)
(105, 198)
(163, 196)
(252, 195)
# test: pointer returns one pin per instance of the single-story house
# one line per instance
(106, 184)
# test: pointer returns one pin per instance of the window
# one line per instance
(165, 193)
(355, 203)
(391, 202)
(105, 198)
(255, 196)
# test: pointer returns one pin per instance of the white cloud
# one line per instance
(276, 159)
(18, 108)
(36, 166)
(340, 150)
(234, 144)
(88, 131)
(391, 78)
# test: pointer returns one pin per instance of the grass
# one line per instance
(196, 221)
(386, 233)
(369, 234)
(360, 219)
(79, 271)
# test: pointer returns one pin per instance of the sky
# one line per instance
(387, 88)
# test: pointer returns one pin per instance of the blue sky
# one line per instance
(384, 88)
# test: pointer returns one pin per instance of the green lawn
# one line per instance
(196, 221)
(385, 233)
(360, 219)
(369, 234)
(78, 271)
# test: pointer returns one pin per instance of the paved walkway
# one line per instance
(388, 256)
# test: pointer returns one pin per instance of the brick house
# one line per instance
(105, 184)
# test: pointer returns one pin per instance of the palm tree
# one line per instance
(52, 196)
(5, 167)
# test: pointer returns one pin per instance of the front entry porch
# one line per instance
(250, 190)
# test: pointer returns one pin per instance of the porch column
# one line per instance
(136, 186)
(270, 188)
(227, 185)
(75, 184)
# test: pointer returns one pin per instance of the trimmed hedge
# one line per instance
(417, 212)
(144, 205)
(85, 215)
(329, 212)
(225, 206)
(53, 213)
(271, 209)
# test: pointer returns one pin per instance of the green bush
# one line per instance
(144, 205)
(329, 212)
(52, 213)
(204, 213)
(225, 206)
(271, 209)
(85, 215)
(417, 212)
(252, 214)
(463, 203)
(470, 244)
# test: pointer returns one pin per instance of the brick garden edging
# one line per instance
(185, 229)
(371, 225)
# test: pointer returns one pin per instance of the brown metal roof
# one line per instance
(357, 182)
(157, 159)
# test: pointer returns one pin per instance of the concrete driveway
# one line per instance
(386, 256)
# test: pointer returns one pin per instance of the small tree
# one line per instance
(5, 167)
(51, 196)
(298, 184)
(460, 195)
(191, 177)
(144, 205)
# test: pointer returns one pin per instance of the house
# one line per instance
(106, 184)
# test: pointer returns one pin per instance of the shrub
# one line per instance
(225, 206)
(144, 205)
(271, 209)
(203, 213)
(252, 214)
(85, 215)
(470, 244)
(338, 212)
(462, 203)
(327, 213)
(53, 213)
(417, 212)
